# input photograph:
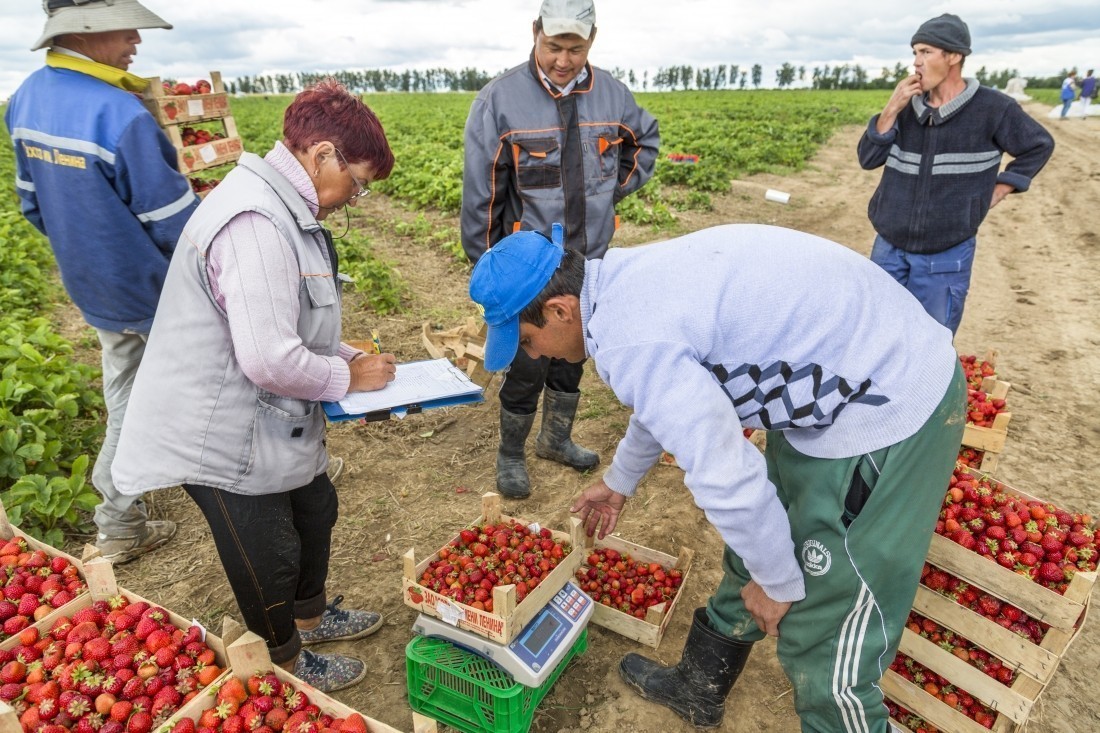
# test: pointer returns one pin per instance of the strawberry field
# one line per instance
(414, 484)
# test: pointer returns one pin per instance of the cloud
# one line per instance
(242, 37)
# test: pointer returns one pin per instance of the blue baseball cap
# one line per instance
(505, 280)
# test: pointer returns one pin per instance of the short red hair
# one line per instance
(328, 111)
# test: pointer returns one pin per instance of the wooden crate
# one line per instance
(247, 655)
(947, 719)
(1035, 665)
(507, 618)
(991, 439)
(173, 109)
(464, 344)
(651, 629)
(7, 532)
(194, 158)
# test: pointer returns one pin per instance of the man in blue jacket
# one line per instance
(99, 178)
(941, 138)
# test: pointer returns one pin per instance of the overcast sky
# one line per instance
(250, 37)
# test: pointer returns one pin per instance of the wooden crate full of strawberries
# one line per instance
(495, 575)
(636, 588)
(1004, 593)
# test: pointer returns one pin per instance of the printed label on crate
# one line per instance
(195, 107)
(449, 613)
(490, 624)
(206, 152)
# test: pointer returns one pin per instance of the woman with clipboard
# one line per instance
(244, 347)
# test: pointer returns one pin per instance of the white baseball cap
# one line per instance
(95, 16)
(560, 17)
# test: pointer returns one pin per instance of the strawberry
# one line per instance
(14, 671)
(232, 689)
(10, 690)
(233, 724)
(97, 649)
(276, 719)
(1051, 572)
(140, 722)
(88, 614)
(185, 725)
(354, 723)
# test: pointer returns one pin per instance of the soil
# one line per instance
(414, 483)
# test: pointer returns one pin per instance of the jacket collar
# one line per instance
(63, 58)
(581, 87)
(928, 115)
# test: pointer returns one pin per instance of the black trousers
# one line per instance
(526, 377)
(275, 550)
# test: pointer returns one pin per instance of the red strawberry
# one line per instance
(185, 725)
(15, 624)
(276, 719)
(1051, 572)
(140, 722)
(88, 614)
(7, 610)
(97, 649)
(10, 690)
(134, 687)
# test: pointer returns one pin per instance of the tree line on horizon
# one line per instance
(670, 78)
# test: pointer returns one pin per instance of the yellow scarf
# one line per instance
(103, 72)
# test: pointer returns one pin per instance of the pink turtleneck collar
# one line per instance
(286, 164)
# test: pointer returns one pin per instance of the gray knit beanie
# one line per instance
(947, 32)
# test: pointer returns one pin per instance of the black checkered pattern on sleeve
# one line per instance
(780, 396)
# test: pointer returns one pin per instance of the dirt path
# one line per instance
(414, 483)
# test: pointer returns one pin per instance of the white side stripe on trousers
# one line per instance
(846, 666)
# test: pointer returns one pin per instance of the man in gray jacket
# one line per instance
(552, 140)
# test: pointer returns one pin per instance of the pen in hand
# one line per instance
(376, 341)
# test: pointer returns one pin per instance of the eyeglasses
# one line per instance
(363, 190)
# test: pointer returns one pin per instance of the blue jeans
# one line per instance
(939, 281)
(1066, 104)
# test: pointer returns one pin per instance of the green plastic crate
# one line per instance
(470, 693)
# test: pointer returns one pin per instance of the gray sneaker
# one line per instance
(340, 625)
(121, 550)
(329, 672)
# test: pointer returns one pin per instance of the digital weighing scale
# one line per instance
(539, 647)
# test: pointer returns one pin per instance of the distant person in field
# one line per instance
(1069, 92)
(245, 345)
(1088, 91)
(552, 140)
(863, 399)
(98, 177)
(941, 138)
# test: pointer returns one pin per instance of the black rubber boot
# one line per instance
(554, 441)
(696, 688)
(512, 480)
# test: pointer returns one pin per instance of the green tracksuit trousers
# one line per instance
(861, 528)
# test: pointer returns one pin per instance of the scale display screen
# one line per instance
(536, 638)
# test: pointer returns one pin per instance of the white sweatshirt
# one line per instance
(760, 327)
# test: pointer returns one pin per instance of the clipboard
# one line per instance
(421, 385)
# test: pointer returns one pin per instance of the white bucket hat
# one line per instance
(561, 17)
(95, 16)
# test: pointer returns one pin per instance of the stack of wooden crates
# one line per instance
(173, 112)
(1033, 664)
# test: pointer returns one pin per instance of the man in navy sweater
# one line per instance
(941, 138)
(98, 177)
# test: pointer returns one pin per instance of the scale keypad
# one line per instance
(571, 601)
